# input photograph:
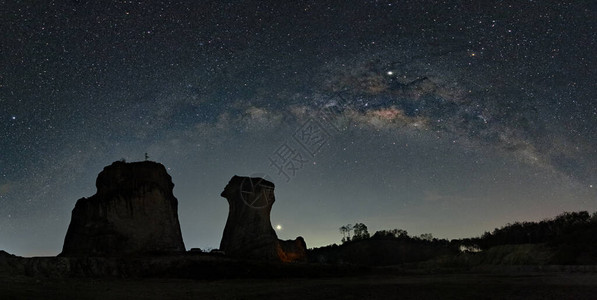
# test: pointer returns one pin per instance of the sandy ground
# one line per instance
(443, 286)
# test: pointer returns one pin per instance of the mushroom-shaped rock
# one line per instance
(133, 212)
(248, 232)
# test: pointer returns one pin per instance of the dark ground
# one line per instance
(552, 285)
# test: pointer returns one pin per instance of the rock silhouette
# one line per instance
(248, 232)
(133, 212)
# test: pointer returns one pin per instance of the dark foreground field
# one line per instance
(551, 285)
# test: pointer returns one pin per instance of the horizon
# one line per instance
(280, 229)
(451, 119)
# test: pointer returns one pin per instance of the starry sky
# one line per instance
(448, 117)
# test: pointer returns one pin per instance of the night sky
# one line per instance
(448, 117)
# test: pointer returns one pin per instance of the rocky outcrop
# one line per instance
(292, 250)
(248, 232)
(133, 212)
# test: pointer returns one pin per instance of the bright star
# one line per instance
(278, 227)
(390, 73)
(14, 117)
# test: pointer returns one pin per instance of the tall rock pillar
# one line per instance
(248, 232)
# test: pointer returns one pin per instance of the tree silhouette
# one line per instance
(360, 231)
(392, 233)
(345, 230)
(426, 237)
(349, 228)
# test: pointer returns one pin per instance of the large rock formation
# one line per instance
(134, 211)
(248, 232)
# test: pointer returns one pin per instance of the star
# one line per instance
(482, 91)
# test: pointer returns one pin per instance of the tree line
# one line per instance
(569, 238)
(361, 232)
(566, 228)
